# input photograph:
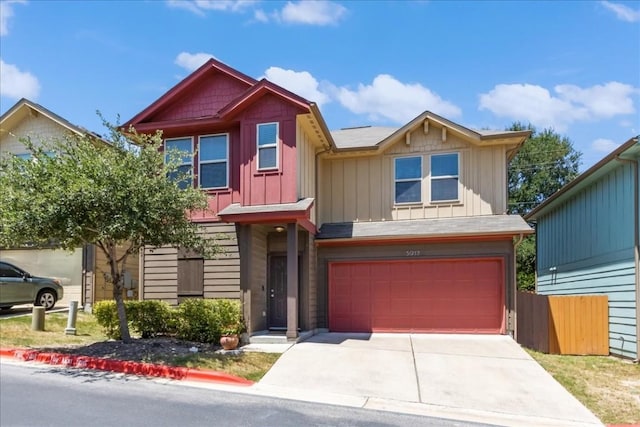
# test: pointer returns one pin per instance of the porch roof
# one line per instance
(298, 212)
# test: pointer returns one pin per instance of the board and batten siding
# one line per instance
(221, 274)
(585, 246)
(306, 155)
(362, 188)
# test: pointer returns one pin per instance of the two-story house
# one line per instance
(364, 229)
(82, 271)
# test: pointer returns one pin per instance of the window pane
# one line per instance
(444, 164)
(183, 144)
(213, 147)
(408, 191)
(444, 189)
(213, 175)
(185, 182)
(267, 158)
(408, 167)
(25, 156)
(267, 134)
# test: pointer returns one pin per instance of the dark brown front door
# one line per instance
(277, 292)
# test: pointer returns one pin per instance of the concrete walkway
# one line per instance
(486, 379)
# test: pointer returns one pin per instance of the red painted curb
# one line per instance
(125, 366)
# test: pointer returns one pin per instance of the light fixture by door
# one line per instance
(279, 228)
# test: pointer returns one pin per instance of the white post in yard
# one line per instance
(71, 321)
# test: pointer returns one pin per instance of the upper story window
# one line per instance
(444, 177)
(408, 179)
(267, 146)
(185, 146)
(214, 161)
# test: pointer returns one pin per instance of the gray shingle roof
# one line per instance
(361, 137)
(236, 209)
(437, 227)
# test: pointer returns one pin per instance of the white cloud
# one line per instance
(6, 12)
(570, 103)
(200, 6)
(313, 12)
(299, 82)
(388, 98)
(604, 145)
(192, 61)
(17, 84)
(623, 13)
(260, 16)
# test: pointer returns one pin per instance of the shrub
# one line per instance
(106, 315)
(149, 318)
(229, 316)
(197, 320)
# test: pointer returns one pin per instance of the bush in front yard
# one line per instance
(106, 315)
(149, 318)
(197, 320)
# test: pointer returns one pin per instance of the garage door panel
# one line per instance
(454, 296)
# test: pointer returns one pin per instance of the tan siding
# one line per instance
(259, 278)
(306, 162)
(37, 127)
(362, 189)
(222, 274)
(103, 290)
(157, 262)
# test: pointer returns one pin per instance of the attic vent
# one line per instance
(356, 127)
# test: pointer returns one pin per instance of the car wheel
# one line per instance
(46, 299)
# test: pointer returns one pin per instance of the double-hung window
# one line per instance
(408, 179)
(444, 177)
(213, 155)
(267, 146)
(185, 167)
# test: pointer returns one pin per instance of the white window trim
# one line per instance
(421, 179)
(191, 163)
(190, 138)
(432, 178)
(206, 162)
(276, 145)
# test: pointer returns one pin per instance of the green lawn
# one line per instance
(608, 386)
(16, 332)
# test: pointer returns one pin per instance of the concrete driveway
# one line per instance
(487, 379)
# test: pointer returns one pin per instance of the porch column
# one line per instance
(292, 281)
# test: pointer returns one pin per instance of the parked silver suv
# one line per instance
(19, 287)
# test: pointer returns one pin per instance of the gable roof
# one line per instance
(379, 138)
(256, 91)
(209, 67)
(24, 107)
(630, 148)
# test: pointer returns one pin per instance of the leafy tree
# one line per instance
(545, 163)
(82, 190)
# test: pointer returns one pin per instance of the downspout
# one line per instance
(636, 246)
(515, 288)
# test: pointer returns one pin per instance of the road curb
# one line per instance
(124, 366)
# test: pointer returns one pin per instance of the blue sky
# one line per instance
(573, 66)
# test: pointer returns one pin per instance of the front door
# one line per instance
(277, 293)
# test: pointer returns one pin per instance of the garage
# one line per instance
(458, 295)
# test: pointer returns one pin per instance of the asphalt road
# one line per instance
(41, 395)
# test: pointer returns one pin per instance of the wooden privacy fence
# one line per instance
(563, 324)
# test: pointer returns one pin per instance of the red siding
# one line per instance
(205, 99)
(273, 186)
(452, 296)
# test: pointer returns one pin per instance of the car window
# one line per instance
(8, 271)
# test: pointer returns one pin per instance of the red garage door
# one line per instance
(449, 296)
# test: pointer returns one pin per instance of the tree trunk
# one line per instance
(116, 278)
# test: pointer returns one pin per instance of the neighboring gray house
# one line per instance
(587, 242)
